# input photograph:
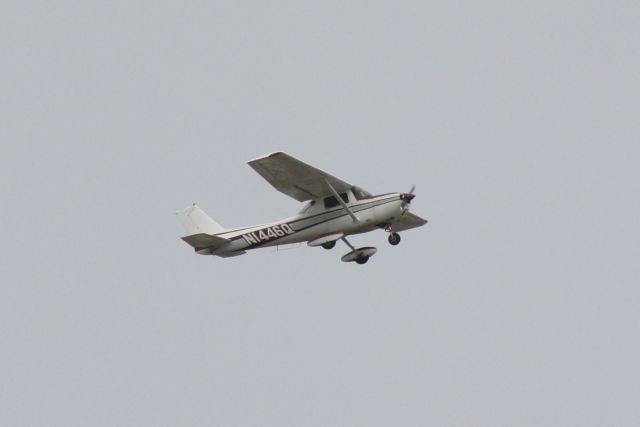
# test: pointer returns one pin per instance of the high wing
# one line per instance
(295, 178)
(408, 221)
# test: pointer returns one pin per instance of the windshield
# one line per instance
(361, 194)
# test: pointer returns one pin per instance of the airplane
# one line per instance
(334, 210)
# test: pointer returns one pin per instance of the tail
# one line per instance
(201, 230)
(196, 221)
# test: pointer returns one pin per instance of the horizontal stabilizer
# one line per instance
(203, 240)
(232, 254)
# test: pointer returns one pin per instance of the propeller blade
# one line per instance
(407, 197)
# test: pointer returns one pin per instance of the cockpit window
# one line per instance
(332, 202)
(361, 194)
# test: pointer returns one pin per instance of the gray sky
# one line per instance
(518, 304)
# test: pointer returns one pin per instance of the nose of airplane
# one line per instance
(407, 197)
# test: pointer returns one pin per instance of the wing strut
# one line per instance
(344, 205)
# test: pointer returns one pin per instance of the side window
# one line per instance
(332, 202)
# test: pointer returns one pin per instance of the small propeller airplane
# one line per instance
(334, 210)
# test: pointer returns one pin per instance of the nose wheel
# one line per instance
(394, 238)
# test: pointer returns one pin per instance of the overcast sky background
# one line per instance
(518, 304)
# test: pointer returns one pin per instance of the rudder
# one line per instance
(196, 221)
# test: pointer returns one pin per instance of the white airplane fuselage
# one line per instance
(314, 221)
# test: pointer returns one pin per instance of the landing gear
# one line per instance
(329, 245)
(394, 238)
(360, 255)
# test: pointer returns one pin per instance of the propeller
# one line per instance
(407, 198)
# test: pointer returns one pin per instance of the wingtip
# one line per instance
(266, 156)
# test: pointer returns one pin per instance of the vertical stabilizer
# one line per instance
(196, 221)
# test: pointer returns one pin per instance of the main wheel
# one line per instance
(329, 245)
(362, 259)
(394, 238)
